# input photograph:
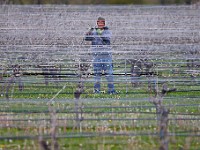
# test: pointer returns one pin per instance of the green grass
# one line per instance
(28, 111)
(110, 143)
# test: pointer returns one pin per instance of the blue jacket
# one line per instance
(103, 39)
(100, 43)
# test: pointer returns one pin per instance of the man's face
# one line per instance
(101, 24)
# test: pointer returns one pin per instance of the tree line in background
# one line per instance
(163, 2)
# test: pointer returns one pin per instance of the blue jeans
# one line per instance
(100, 64)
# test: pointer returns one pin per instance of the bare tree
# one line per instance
(162, 115)
(14, 78)
(77, 105)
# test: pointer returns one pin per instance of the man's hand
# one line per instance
(90, 31)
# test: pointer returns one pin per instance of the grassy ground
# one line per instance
(114, 122)
(126, 120)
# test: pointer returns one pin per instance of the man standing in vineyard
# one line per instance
(102, 56)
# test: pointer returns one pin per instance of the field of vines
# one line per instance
(47, 101)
